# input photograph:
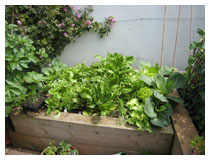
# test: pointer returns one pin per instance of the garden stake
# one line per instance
(176, 36)
(190, 52)
(164, 26)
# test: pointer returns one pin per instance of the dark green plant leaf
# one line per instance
(160, 96)
(176, 99)
(175, 80)
(157, 122)
(149, 108)
(148, 80)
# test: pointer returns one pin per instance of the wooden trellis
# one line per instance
(177, 33)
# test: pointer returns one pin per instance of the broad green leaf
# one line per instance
(149, 108)
(157, 122)
(165, 70)
(175, 80)
(176, 99)
(148, 80)
(46, 71)
(161, 84)
(16, 91)
(33, 58)
(13, 65)
(24, 65)
(160, 96)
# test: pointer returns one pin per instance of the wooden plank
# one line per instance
(36, 143)
(183, 127)
(176, 148)
(107, 132)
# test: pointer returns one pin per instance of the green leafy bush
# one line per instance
(112, 85)
(20, 54)
(52, 27)
(194, 89)
(35, 35)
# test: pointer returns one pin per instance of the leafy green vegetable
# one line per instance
(112, 86)
(149, 108)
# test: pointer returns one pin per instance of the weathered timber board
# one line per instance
(37, 143)
(184, 129)
(94, 131)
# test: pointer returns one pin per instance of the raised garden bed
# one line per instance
(90, 134)
(102, 135)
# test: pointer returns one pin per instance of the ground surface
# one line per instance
(9, 150)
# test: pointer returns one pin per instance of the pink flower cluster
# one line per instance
(19, 22)
(61, 24)
(65, 34)
(89, 22)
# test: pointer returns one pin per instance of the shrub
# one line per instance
(53, 27)
(194, 88)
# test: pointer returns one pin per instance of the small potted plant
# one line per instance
(197, 145)
(63, 148)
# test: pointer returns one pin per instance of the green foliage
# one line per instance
(63, 148)
(50, 150)
(112, 85)
(34, 36)
(52, 27)
(20, 54)
(197, 144)
(194, 87)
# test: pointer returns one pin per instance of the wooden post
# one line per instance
(190, 51)
(164, 26)
(177, 32)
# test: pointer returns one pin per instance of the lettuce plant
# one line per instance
(112, 85)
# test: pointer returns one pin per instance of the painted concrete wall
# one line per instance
(138, 32)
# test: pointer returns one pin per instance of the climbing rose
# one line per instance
(73, 25)
(112, 20)
(65, 10)
(78, 8)
(89, 22)
(19, 22)
(65, 34)
(62, 24)
(78, 16)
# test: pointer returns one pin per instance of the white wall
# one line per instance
(138, 32)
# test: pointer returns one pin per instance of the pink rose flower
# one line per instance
(89, 22)
(62, 24)
(112, 20)
(78, 8)
(65, 34)
(65, 10)
(19, 22)
(73, 25)
(78, 15)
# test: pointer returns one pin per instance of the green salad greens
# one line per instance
(113, 85)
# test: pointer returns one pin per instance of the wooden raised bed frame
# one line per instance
(102, 135)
